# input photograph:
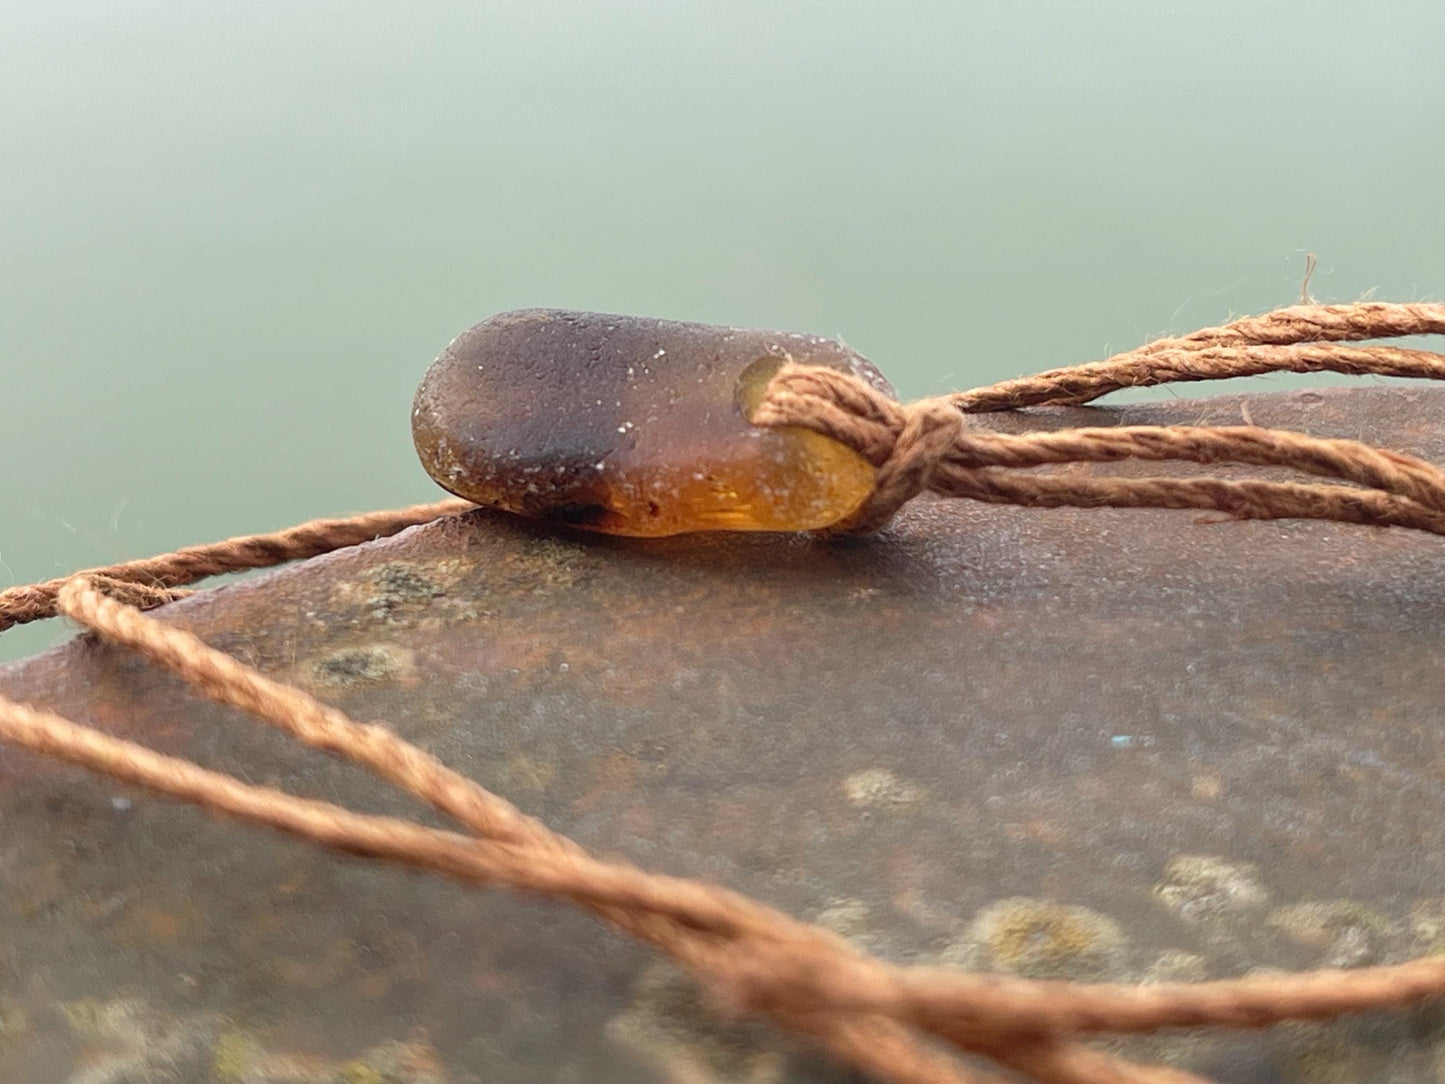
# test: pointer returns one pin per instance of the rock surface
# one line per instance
(1103, 744)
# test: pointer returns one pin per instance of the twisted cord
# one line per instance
(1078, 384)
(149, 579)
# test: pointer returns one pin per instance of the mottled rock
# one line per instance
(896, 736)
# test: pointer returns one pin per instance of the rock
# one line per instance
(892, 734)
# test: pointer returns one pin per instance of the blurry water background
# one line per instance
(234, 235)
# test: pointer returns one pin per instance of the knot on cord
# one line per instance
(905, 442)
(928, 445)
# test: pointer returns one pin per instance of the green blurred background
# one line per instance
(234, 235)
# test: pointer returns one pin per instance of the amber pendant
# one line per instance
(633, 426)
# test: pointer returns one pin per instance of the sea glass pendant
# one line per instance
(633, 426)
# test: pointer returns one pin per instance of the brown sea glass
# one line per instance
(633, 426)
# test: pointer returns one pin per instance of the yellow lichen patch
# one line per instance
(1176, 965)
(1320, 1054)
(1427, 927)
(674, 1028)
(850, 919)
(14, 1021)
(235, 1055)
(1347, 933)
(358, 1072)
(881, 788)
(125, 1039)
(1040, 939)
(1205, 888)
(373, 664)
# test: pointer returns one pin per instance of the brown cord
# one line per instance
(896, 1023)
(151, 576)
(1080, 384)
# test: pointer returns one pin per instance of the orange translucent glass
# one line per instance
(632, 426)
